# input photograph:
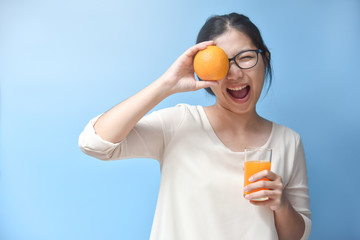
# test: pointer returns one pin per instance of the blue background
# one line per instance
(64, 62)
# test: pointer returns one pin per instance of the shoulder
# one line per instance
(285, 134)
(180, 110)
(288, 151)
(285, 130)
(175, 115)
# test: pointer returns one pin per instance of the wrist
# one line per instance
(164, 86)
(284, 206)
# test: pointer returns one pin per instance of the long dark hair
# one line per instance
(219, 24)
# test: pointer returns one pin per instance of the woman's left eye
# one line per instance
(246, 57)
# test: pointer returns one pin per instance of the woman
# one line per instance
(200, 149)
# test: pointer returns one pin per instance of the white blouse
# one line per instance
(200, 195)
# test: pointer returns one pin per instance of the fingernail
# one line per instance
(251, 179)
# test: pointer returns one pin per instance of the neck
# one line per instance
(240, 121)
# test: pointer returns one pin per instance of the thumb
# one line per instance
(205, 84)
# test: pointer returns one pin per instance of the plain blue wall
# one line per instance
(64, 62)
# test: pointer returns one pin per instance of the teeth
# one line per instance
(237, 89)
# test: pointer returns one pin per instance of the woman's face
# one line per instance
(240, 90)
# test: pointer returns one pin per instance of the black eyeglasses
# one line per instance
(246, 59)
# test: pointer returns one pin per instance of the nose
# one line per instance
(234, 71)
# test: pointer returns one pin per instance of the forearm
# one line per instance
(289, 223)
(115, 124)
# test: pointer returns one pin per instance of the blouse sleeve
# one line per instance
(297, 189)
(147, 139)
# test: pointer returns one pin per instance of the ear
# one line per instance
(267, 55)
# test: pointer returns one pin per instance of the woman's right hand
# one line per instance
(180, 76)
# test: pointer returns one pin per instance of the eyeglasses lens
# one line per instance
(247, 59)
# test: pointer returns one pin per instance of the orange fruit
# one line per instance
(211, 64)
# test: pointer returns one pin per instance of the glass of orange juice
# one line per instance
(256, 160)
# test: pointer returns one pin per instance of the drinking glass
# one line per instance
(256, 160)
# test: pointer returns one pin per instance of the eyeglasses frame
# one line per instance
(257, 57)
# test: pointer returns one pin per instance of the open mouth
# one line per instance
(240, 92)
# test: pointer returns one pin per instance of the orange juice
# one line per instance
(252, 167)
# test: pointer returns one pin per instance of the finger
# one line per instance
(264, 185)
(265, 203)
(259, 185)
(256, 195)
(270, 194)
(205, 84)
(200, 46)
(264, 174)
(260, 203)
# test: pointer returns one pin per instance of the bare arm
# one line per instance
(115, 124)
(289, 223)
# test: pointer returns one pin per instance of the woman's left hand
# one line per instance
(274, 193)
